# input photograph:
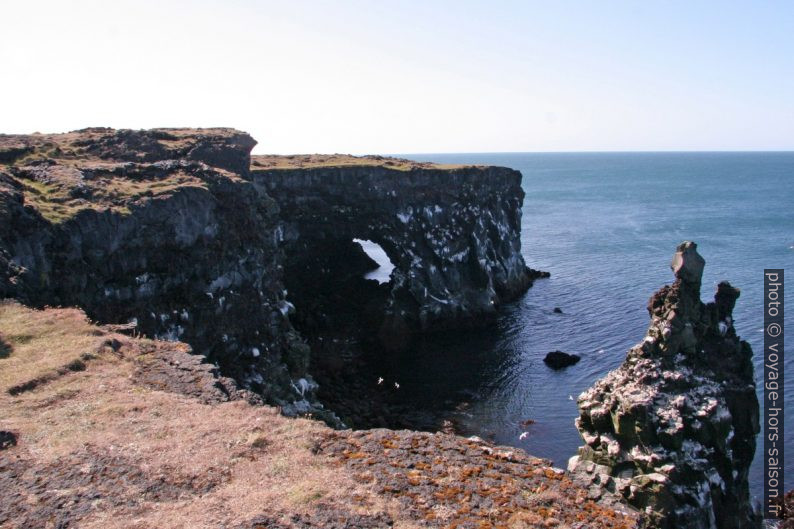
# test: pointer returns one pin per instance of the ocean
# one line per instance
(606, 226)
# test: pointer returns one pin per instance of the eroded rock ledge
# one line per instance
(673, 429)
(169, 229)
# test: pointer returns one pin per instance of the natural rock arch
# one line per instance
(452, 234)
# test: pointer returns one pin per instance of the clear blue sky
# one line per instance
(410, 76)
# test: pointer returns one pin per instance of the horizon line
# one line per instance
(433, 153)
(638, 151)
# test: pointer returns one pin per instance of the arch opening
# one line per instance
(338, 287)
(381, 274)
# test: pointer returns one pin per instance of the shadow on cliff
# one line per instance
(418, 388)
(369, 382)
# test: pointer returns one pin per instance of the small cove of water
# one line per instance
(605, 225)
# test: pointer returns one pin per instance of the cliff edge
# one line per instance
(159, 229)
(102, 430)
(452, 233)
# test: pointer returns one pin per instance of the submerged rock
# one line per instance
(673, 429)
(559, 359)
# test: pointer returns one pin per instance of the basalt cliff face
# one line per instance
(452, 234)
(672, 431)
(160, 228)
(168, 230)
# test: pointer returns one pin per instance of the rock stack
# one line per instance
(672, 430)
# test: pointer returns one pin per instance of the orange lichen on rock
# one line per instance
(517, 491)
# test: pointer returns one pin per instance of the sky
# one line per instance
(409, 76)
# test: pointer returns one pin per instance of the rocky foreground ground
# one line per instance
(101, 429)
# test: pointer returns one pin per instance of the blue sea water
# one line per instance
(606, 225)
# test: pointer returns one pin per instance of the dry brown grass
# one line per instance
(71, 145)
(263, 462)
(39, 343)
(55, 200)
(63, 174)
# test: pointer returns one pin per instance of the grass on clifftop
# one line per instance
(98, 168)
(116, 454)
(313, 161)
(24, 149)
(60, 195)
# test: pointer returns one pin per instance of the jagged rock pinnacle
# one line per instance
(672, 430)
(687, 263)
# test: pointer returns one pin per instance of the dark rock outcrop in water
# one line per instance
(453, 235)
(673, 429)
(169, 230)
(560, 360)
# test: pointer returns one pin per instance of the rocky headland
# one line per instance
(452, 233)
(224, 288)
(673, 430)
(170, 231)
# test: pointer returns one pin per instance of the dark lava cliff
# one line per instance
(159, 228)
(168, 230)
(453, 235)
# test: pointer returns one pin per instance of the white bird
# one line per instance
(396, 385)
(570, 397)
(380, 380)
(523, 436)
